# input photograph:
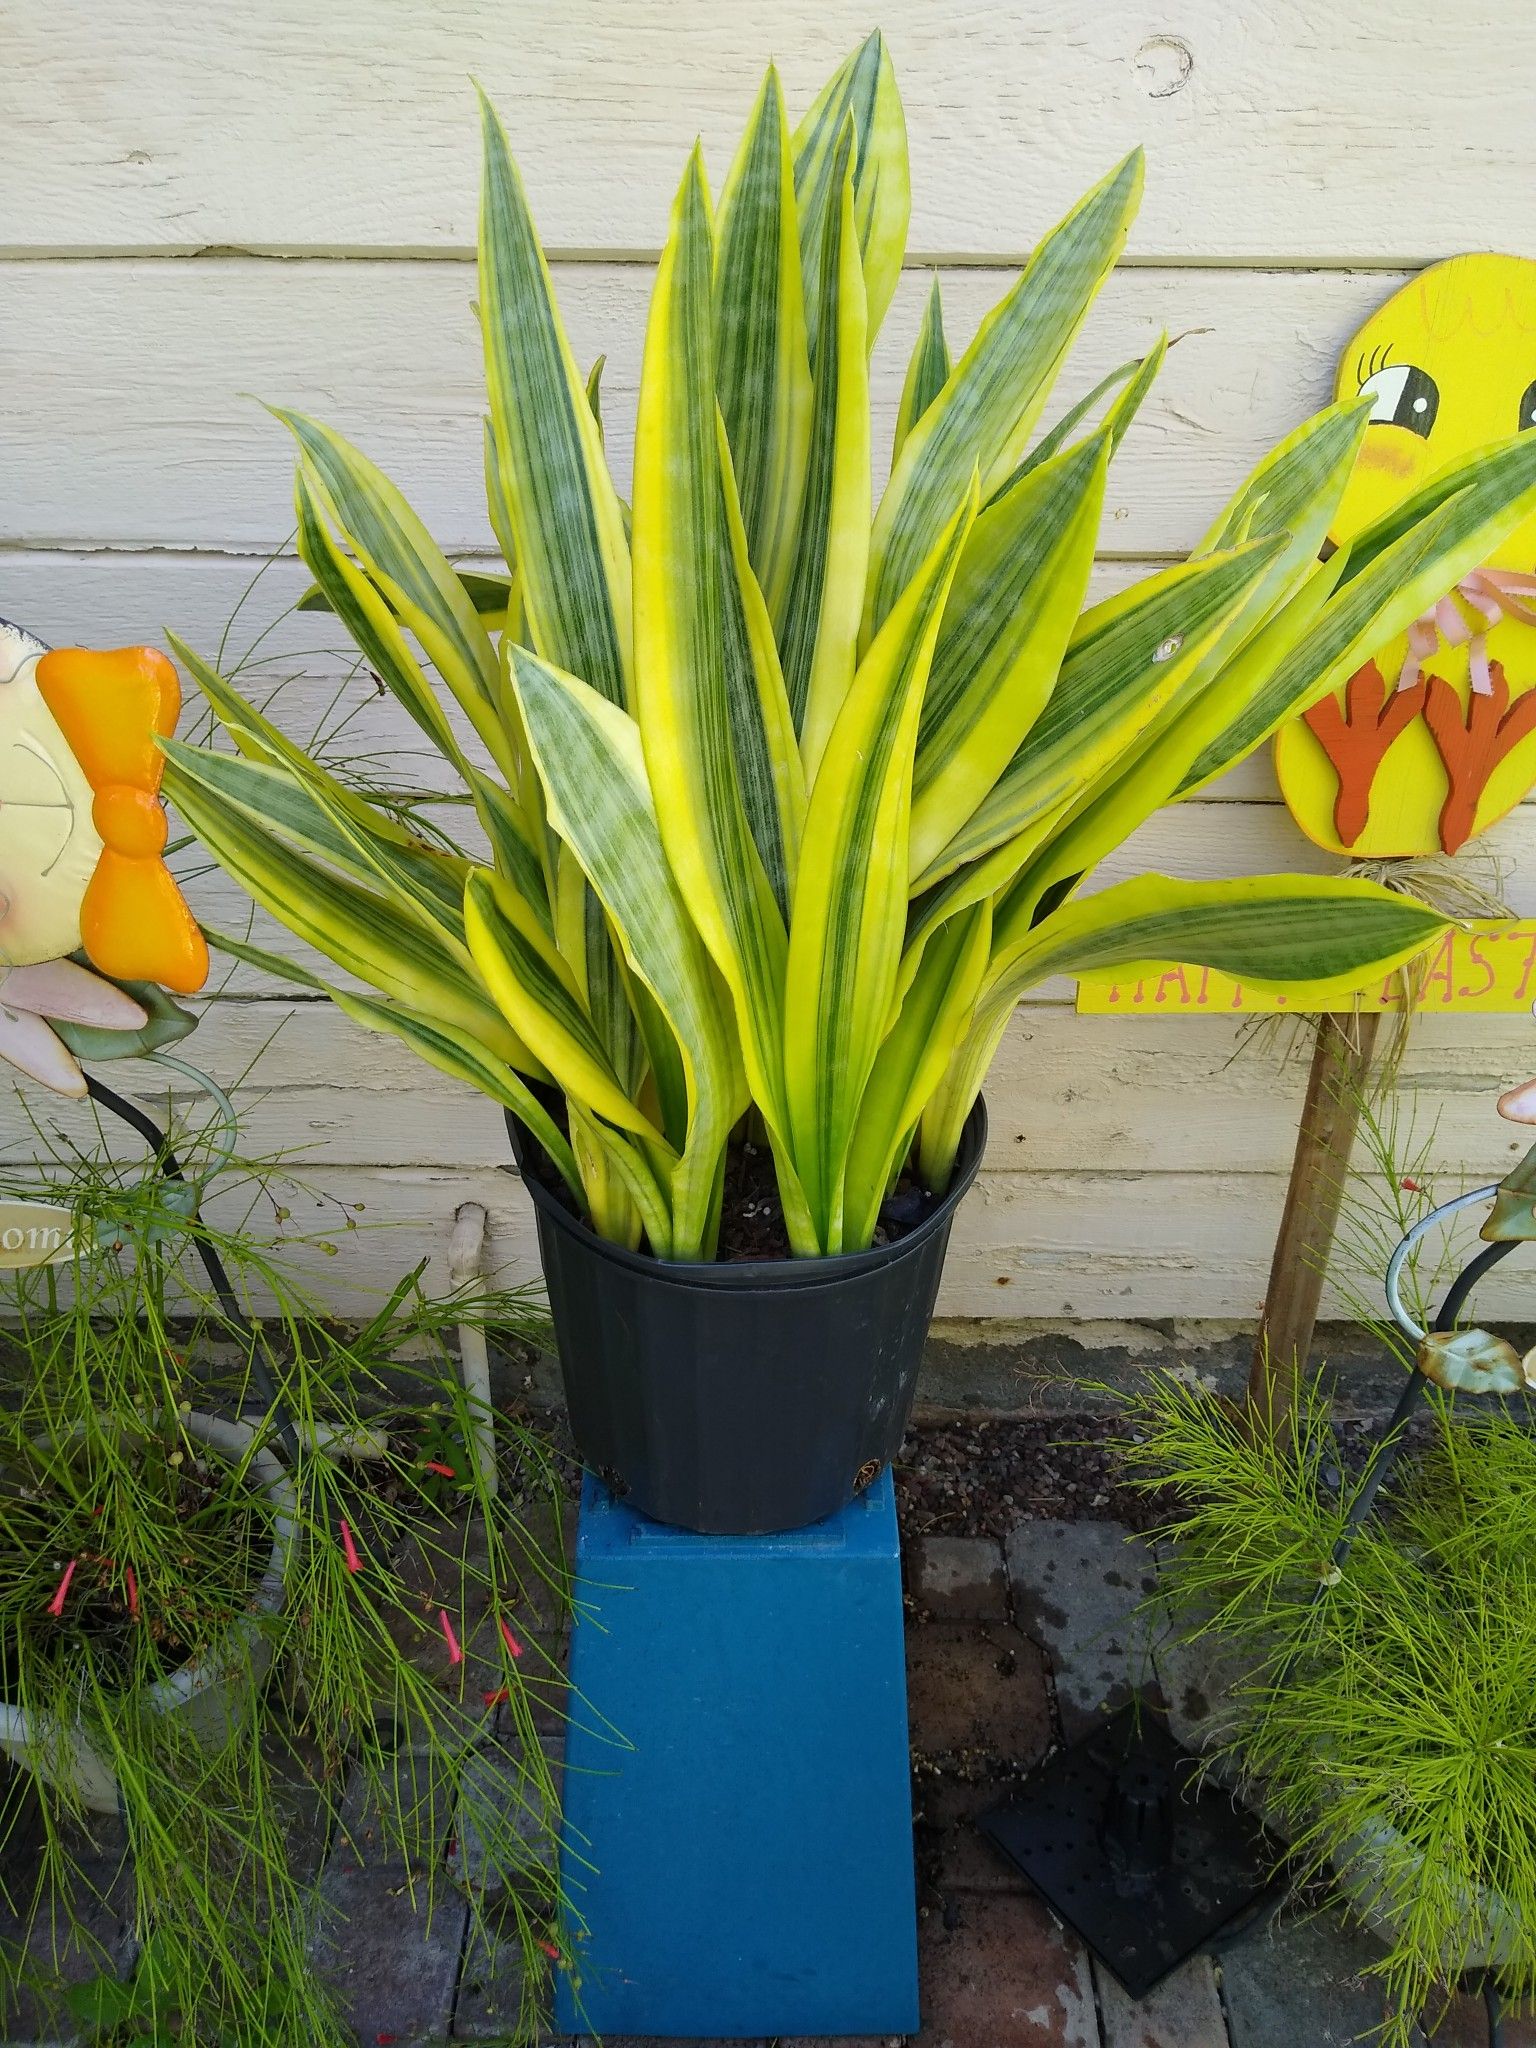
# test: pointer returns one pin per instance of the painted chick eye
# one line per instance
(1405, 397)
(1528, 408)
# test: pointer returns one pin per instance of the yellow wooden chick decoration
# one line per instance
(1435, 739)
(82, 833)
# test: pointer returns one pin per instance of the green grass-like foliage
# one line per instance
(103, 1357)
(1390, 1712)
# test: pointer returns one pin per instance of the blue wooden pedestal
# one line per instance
(744, 1864)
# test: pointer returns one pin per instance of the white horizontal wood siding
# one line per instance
(202, 209)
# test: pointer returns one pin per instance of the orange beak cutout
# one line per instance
(111, 706)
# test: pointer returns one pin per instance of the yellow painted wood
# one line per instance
(1487, 968)
(1451, 361)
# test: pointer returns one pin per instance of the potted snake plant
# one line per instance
(784, 797)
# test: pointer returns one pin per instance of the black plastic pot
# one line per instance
(737, 1399)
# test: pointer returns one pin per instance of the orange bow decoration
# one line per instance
(111, 707)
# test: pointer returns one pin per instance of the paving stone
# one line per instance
(504, 1832)
(1463, 2023)
(952, 1853)
(843, 2041)
(1000, 1973)
(1077, 1588)
(495, 1996)
(1183, 2012)
(977, 1688)
(1202, 1675)
(58, 1942)
(393, 1963)
(1302, 1981)
(958, 1578)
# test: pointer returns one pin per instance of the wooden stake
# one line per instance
(1341, 1064)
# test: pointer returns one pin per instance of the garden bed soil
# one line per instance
(983, 1477)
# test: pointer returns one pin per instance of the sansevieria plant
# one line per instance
(786, 796)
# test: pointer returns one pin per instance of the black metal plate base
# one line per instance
(1127, 1846)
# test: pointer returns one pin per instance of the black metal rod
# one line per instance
(1384, 1457)
(1493, 2005)
(171, 1168)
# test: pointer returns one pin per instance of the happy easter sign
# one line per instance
(1487, 967)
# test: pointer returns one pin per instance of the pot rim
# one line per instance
(740, 1275)
(209, 1668)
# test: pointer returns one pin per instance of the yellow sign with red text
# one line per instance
(1488, 966)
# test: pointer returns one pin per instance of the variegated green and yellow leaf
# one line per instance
(1297, 486)
(589, 754)
(1370, 607)
(400, 556)
(450, 1050)
(769, 768)
(259, 739)
(845, 937)
(1139, 781)
(490, 595)
(985, 413)
(372, 620)
(863, 89)
(927, 370)
(943, 1120)
(515, 850)
(567, 528)
(934, 1014)
(818, 622)
(1016, 597)
(458, 1054)
(1491, 469)
(537, 994)
(694, 677)
(1317, 936)
(1293, 495)
(762, 365)
(359, 929)
(1127, 658)
(623, 1194)
(425, 885)
(1137, 376)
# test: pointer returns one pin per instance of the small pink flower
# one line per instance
(56, 1604)
(1410, 1186)
(550, 1950)
(508, 1638)
(455, 1654)
(349, 1549)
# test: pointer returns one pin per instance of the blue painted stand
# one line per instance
(745, 1868)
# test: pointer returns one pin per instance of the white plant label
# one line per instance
(34, 1234)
